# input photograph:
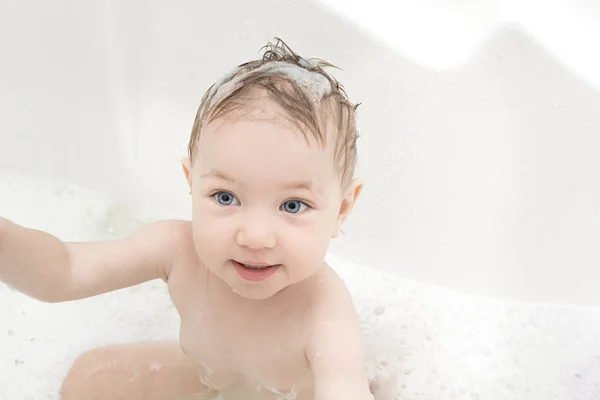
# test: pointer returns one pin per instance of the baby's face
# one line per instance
(264, 197)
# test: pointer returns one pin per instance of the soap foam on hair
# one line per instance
(313, 84)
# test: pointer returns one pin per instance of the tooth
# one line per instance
(253, 266)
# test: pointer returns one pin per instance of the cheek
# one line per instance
(309, 241)
(210, 233)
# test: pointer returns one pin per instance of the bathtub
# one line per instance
(479, 134)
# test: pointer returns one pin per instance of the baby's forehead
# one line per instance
(260, 108)
(247, 147)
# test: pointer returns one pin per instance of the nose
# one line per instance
(256, 233)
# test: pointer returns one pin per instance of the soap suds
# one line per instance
(313, 84)
(442, 343)
(291, 395)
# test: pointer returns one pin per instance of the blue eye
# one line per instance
(225, 198)
(294, 206)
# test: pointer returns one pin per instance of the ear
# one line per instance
(348, 202)
(186, 164)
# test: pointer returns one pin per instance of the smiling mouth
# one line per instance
(254, 273)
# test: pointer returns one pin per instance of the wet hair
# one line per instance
(312, 100)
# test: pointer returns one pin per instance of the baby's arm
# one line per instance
(48, 269)
(335, 352)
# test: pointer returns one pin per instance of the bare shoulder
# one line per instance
(148, 253)
(332, 309)
(171, 227)
(166, 241)
(331, 296)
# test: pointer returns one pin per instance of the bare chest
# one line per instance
(235, 347)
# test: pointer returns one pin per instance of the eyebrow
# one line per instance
(213, 173)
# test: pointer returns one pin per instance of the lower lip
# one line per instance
(254, 274)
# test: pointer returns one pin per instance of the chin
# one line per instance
(253, 294)
(256, 292)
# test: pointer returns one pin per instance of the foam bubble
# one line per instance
(438, 342)
(313, 84)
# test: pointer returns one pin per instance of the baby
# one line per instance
(270, 168)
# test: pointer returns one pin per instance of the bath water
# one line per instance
(441, 344)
